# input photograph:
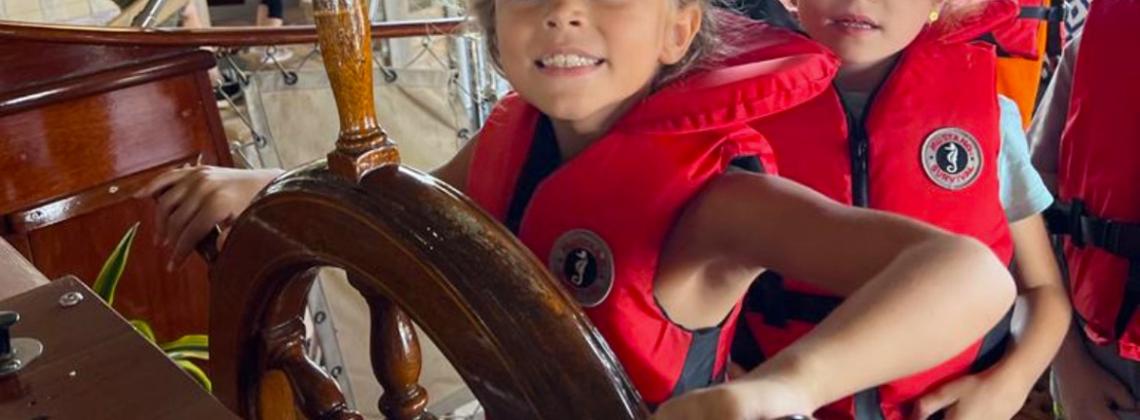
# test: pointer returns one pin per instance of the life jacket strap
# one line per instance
(1113, 236)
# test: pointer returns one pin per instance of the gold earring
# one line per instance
(934, 16)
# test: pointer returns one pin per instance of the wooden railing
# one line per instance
(217, 37)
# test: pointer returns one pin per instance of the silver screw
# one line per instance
(70, 299)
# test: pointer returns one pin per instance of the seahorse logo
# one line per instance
(585, 264)
(951, 158)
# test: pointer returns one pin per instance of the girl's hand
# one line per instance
(192, 200)
(1087, 392)
(744, 399)
(982, 396)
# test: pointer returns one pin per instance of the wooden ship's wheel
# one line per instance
(417, 250)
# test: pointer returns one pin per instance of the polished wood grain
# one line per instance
(53, 63)
(81, 127)
(59, 149)
(396, 358)
(347, 50)
(315, 392)
(275, 397)
(518, 340)
(95, 366)
(222, 37)
(91, 200)
(13, 101)
(174, 303)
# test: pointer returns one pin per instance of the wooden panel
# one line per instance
(45, 93)
(90, 200)
(55, 62)
(62, 148)
(174, 303)
(95, 366)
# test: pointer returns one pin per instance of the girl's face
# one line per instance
(577, 59)
(865, 32)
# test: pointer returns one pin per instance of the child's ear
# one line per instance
(685, 25)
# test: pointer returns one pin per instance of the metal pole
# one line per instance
(146, 18)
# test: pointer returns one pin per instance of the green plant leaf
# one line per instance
(143, 328)
(196, 373)
(112, 270)
(192, 342)
(189, 354)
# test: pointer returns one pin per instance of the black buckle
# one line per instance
(1057, 218)
(1076, 228)
(1098, 233)
(1120, 239)
(1049, 14)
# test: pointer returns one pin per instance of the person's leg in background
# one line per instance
(271, 13)
(196, 15)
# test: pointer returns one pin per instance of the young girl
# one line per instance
(612, 164)
(1088, 155)
(914, 126)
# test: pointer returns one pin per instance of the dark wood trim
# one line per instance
(214, 123)
(87, 201)
(135, 74)
(218, 37)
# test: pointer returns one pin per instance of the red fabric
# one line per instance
(936, 84)
(1018, 37)
(630, 186)
(971, 24)
(1097, 162)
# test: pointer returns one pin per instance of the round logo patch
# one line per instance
(582, 260)
(952, 158)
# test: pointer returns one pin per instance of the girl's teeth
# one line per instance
(856, 25)
(567, 60)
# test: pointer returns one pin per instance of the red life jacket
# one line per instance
(1025, 36)
(927, 148)
(601, 219)
(1097, 177)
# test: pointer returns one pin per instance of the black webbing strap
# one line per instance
(1072, 219)
(1053, 15)
(1046, 13)
(779, 305)
(1115, 237)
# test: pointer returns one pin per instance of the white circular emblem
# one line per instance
(952, 158)
(582, 260)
